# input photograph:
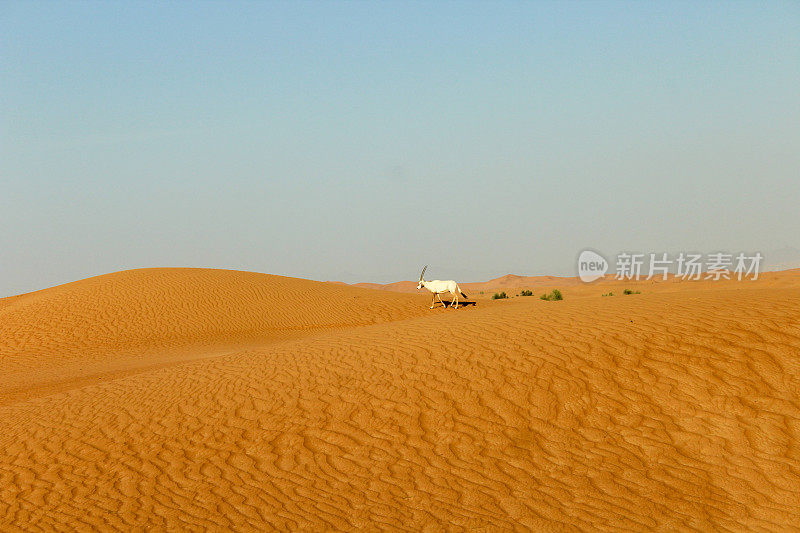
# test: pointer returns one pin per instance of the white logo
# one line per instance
(686, 266)
(591, 266)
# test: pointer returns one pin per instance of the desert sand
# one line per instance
(193, 399)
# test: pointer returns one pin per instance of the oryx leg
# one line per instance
(440, 299)
(433, 300)
(455, 299)
(451, 302)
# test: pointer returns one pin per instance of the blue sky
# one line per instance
(359, 141)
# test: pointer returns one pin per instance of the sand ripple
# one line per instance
(663, 411)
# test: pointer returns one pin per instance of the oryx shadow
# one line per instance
(460, 303)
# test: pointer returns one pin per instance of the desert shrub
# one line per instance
(609, 294)
(526, 293)
(554, 295)
(500, 296)
(628, 291)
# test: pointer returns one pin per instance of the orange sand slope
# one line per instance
(144, 318)
(669, 409)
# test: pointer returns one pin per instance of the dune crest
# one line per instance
(140, 318)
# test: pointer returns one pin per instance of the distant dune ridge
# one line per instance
(199, 399)
(513, 281)
(503, 282)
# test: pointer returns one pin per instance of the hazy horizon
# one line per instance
(357, 142)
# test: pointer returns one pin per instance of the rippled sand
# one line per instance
(197, 399)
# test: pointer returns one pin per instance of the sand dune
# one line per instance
(148, 317)
(673, 409)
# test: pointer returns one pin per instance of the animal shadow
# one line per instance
(460, 303)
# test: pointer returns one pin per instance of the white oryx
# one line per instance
(438, 287)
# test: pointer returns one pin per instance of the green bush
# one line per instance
(554, 295)
(628, 291)
(609, 294)
(526, 293)
(500, 296)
